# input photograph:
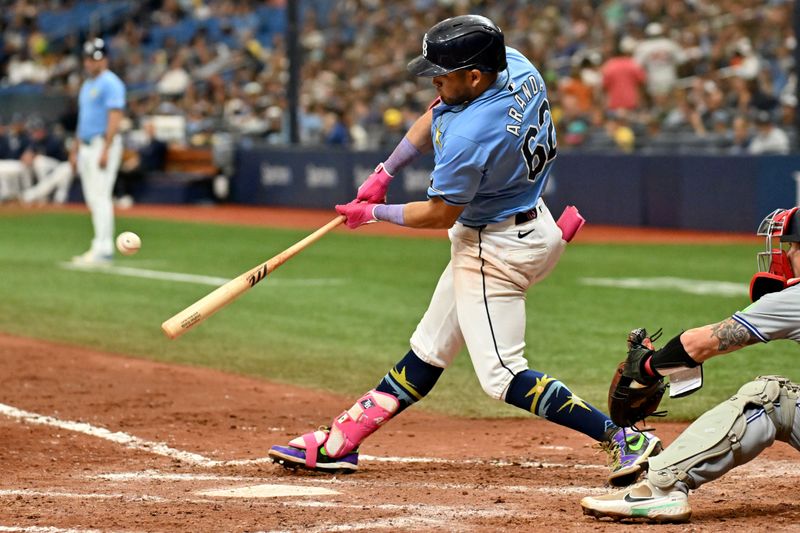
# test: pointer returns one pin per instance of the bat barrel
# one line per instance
(185, 320)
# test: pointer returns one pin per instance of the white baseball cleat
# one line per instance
(91, 258)
(642, 501)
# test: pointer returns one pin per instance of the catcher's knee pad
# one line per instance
(350, 428)
(721, 429)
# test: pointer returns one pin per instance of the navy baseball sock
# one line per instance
(409, 380)
(547, 397)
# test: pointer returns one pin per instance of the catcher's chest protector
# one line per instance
(721, 429)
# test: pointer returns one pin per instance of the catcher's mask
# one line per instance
(774, 269)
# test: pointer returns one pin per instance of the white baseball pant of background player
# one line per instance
(98, 187)
(489, 265)
(14, 178)
(51, 175)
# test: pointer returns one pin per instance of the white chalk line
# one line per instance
(489, 462)
(757, 469)
(192, 278)
(45, 529)
(161, 448)
(420, 515)
(126, 440)
(689, 286)
(83, 495)
(154, 475)
(754, 470)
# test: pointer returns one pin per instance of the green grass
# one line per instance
(345, 335)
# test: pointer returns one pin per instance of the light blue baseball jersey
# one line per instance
(98, 96)
(493, 154)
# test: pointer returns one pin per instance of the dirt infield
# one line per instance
(97, 441)
(152, 437)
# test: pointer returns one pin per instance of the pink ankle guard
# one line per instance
(350, 428)
(310, 442)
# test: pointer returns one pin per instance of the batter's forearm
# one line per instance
(433, 214)
(419, 134)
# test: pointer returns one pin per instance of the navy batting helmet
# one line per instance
(467, 41)
(95, 49)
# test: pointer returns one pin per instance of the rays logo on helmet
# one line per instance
(425, 45)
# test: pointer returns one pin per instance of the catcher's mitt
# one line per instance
(630, 401)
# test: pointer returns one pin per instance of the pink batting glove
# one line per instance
(374, 189)
(357, 213)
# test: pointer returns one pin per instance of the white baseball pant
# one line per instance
(15, 177)
(98, 188)
(480, 297)
(51, 175)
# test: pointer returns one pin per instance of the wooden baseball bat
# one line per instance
(211, 303)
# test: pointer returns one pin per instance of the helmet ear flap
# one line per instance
(765, 283)
(791, 226)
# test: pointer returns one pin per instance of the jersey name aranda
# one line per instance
(522, 96)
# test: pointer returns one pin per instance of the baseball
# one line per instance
(128, 243)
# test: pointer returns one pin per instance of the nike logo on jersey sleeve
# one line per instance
(523, 234)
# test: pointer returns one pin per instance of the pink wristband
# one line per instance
(404, 154)
(390, 213)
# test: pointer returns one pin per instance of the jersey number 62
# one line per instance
(538, 153)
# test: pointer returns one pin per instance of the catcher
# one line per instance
(735, 431)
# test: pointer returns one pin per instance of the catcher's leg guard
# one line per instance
(721, 435)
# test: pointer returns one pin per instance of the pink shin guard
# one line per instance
(350, 428)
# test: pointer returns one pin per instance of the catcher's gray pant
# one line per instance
(760, 435)
(731, 434)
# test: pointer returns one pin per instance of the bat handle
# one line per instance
(299, 246)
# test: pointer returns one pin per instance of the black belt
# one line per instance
(521, 218)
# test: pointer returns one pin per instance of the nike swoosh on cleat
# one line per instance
(522, 235)
(633, 499)
(638, 445)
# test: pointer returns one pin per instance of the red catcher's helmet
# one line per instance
(774, 268)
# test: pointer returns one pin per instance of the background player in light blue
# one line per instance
(494, 142)
(98, 147)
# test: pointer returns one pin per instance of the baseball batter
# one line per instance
(494, 142)
(98, 147)
(737, 430)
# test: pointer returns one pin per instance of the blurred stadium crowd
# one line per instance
(708, 76)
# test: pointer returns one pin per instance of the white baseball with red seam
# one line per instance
(128, 243)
